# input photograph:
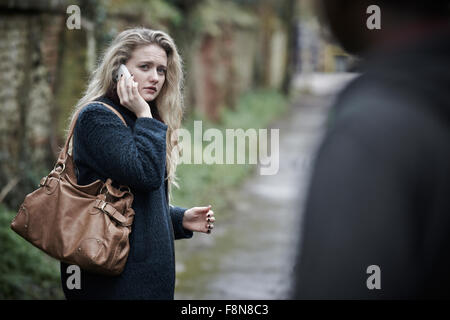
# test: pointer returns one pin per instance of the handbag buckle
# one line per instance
(60, 165)
(43, 184)
(103, 206)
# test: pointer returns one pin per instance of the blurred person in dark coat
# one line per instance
(377, 215)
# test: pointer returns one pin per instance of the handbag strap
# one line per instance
(63, 155)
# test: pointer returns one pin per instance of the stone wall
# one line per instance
(28, 64)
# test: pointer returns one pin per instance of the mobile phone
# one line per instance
(123, 71)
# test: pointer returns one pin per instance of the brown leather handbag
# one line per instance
(86, 225)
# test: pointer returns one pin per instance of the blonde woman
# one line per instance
(141, 155)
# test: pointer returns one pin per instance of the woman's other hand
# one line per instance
(127, 90)
(199, 219)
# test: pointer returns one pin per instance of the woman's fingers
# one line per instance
(203, 209)
(128, 92)
(209, 227)
(198, 213)
(128, 89)
(210, 219)
(135, 89)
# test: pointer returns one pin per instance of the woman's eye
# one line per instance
(144, 67)
(161, 71)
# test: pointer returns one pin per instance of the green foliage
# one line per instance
(25, 271)
(255, 110)
(204, 184)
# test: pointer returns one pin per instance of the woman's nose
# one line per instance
(153, 76)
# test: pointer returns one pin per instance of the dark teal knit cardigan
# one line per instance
(135, 156)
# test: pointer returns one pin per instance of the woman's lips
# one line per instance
(151, 89)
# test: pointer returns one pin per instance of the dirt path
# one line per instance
(250, 254)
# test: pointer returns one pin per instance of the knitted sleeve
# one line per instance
(135, 158)
(177, 213)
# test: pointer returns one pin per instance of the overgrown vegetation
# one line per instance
(25, 271)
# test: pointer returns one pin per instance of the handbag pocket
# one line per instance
(89, 250)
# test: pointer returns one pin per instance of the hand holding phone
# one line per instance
(128, 92)
(123, 70)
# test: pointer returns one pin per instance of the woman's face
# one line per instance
(148, 65)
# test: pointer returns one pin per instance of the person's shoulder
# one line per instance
(384, 121)
(96, 111)
(94, 107)
(369, 104)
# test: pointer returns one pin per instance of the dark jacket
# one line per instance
(135, 156)
(380, 190)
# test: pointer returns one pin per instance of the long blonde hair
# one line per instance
(170, 100)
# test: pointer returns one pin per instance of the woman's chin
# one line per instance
(148, 97)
